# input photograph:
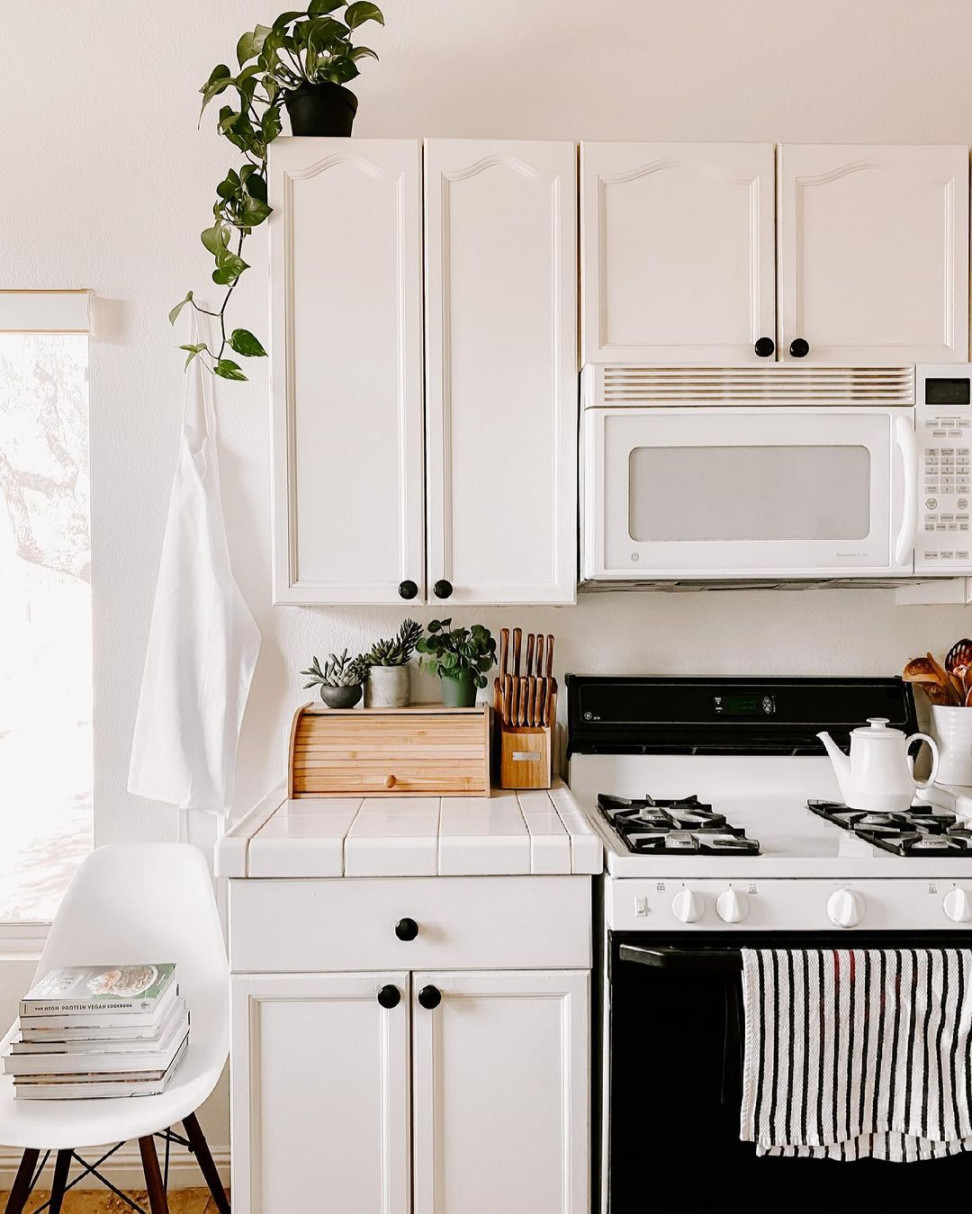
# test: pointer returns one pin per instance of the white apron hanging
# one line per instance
(203, 641)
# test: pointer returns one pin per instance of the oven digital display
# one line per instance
(947, 391)
(743, 705)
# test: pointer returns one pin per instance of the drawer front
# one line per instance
(287, 926)
(375, 753)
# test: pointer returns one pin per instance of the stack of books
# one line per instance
(96, 1031)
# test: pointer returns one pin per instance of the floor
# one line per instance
(181, 1201)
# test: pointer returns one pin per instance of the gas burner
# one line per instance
(921, 830)
(673, 826)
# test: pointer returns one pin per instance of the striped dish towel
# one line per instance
(856, 1053)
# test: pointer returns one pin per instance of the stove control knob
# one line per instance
(688, 906)
(732, 906)
(957, 906)
(845, 908)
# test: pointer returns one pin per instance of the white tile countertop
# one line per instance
(505, 834)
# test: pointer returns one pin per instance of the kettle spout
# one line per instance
(840, 761)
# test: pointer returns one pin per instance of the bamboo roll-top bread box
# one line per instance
(424, 750)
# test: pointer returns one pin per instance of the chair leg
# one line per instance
(61, 1168)
(158, 1202)
(200, 1148)
(21, 1185)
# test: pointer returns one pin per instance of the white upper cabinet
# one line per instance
(501, 371)
(346, 250)
(678, 262)
(874, 254)
(501, 1094)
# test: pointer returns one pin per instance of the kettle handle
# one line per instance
(933, 747)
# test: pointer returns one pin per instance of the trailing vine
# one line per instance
(310, 46)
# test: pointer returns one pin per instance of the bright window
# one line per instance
(45, 608)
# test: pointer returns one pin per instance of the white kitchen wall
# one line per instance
(105, 183)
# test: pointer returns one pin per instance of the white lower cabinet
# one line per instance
(320, 1095)
(500, 1093)
(411, 1088)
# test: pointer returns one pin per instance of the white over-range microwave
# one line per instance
(753, 474)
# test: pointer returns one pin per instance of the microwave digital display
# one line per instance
(743, 705)
(947, 391)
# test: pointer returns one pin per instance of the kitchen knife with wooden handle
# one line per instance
(507, 699)
(538, 688)
(540, 672)
(504, 651)
(517, 639)
(515, 708)
(524, 700)
(550, 645)
(498, 696)
(531, 641)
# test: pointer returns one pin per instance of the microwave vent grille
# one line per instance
(778, 386)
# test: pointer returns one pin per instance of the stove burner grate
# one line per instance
(921, 830)
(673, 826)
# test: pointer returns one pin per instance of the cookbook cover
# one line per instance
(85, 988)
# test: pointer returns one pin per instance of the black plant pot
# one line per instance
(321, 109)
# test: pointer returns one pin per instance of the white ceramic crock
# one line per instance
(952, 728)
(387, 687)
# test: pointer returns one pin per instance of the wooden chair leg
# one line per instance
(21, 1185)
(61, 1168)
(158, 1202)
(200, 1148)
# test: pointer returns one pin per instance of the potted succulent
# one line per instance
(340, 681)
(303, 61)
(387, 661)
(460, 657)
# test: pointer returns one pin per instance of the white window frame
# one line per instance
(25, 311)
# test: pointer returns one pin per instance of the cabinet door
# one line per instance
(874, 254)
(347, 369)
(678, 252)
(501, 1093)
(320, 1094)
(501, 283)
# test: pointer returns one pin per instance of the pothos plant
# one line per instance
(310, 46)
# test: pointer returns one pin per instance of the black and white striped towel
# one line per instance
(855, 1053)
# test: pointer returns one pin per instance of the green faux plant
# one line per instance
(309, 46)
(449, 651)
(339, 671)
(396, 650)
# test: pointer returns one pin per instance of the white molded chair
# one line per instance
(128, 904)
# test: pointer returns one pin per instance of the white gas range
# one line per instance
(722, 826)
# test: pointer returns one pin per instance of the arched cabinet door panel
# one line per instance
(678, 252)
(873, 254)
(501, 371)
(346, 287)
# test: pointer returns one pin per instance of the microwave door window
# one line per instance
(726, 494)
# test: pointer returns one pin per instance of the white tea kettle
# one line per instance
(878, 775)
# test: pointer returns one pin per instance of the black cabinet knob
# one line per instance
(406, 929)
(389, 996)
(430, 997)
(799, 348)
(765, 347)
(442, 589)
(407, 590)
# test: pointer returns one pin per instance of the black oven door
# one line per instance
(674, 1096)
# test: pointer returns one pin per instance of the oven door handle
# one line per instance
(721, 960)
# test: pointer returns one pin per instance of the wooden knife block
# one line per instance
(525, 755)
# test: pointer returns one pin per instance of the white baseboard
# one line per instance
(125, 1167)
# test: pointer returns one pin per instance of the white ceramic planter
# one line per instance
(387, 687)
(952, 728)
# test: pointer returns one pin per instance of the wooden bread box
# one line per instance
(425, 750)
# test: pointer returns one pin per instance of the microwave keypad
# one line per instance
(947, 485)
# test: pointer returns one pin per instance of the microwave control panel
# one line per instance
(943, 421)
